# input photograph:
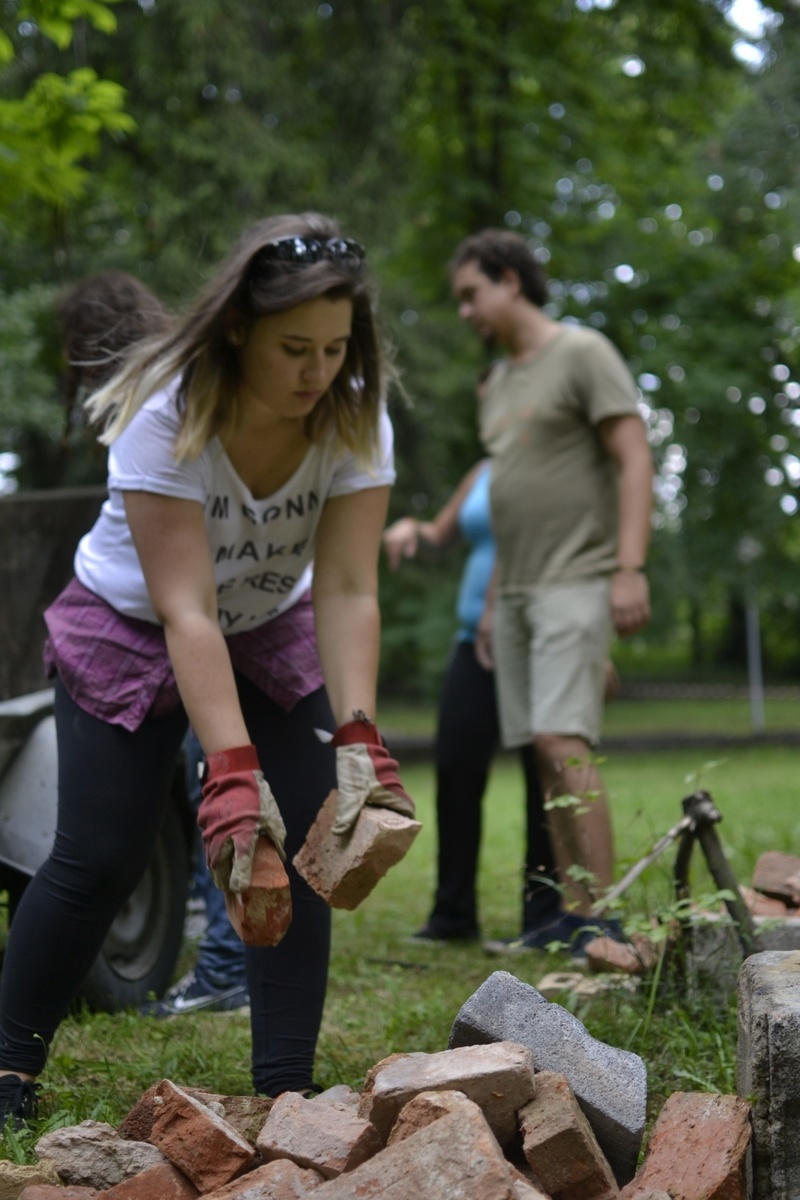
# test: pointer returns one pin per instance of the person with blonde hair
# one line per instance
(245, 442)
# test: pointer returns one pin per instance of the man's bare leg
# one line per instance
(582, 834)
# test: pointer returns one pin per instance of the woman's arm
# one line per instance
(172, 544)
(345, 593)
(401, 540)
(237, 805)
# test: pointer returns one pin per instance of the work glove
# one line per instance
(237, 808)
(366, 773)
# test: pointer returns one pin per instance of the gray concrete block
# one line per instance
(768, 1068)
(714, 953)
(610, 1084)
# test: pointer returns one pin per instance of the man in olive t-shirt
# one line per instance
(571, 497)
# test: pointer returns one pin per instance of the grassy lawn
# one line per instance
(388, 995)
(627, 717)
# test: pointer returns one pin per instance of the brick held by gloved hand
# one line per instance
(365, 826)
(243, 835)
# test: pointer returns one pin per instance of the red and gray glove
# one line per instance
(236, 809)
(366, 773)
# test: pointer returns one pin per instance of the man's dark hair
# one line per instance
(499, 250)
(100, 318)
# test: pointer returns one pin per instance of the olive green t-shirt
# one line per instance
(554, 492)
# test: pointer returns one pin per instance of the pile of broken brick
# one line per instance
(774, 896)
(524, 1104)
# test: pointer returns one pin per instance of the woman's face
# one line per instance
(289, 360)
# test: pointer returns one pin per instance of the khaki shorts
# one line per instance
(550, 649)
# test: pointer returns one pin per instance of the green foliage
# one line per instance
(47, 133)
(24, 317)
(654, 174)
(56, 18)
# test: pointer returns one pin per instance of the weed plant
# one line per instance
(388, 994)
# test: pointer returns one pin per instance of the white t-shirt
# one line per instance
(262, 550)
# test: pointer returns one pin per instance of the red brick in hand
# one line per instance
(344, 868)
(263, 912)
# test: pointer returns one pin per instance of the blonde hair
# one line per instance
(198, 351)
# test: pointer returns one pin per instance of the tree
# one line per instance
(49, 131)
(585, 124)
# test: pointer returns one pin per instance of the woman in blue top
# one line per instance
(468, 732)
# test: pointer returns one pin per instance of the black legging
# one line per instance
(467, 740)
(113, 791)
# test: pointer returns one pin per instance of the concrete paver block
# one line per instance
(344, 869)
(278, 1180)
(697, 1150)
(499, 1078)
(196, 1140)
(330, 1138)
(558, 1142)
(93, 1154)
(714, 953)
(455, 1158)
(609, 1084)
(768, 1068)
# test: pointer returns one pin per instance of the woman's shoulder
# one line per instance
(158, 419)
(164, 403)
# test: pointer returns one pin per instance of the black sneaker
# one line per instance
(19, 1101)
(430, 932)
(571, 930)
(192, 994)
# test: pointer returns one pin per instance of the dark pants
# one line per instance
(467, 740)
(113, 790)
(220, 959)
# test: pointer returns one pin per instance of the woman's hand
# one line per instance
(401, 540)
(236, 809)
(366, 773)
(347, 619)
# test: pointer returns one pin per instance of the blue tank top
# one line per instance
(474, 523)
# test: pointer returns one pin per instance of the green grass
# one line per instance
(387, 994)
(628, 717)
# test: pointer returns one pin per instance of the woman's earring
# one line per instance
(236, 337)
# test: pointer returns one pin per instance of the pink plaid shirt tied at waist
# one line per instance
(117, 668)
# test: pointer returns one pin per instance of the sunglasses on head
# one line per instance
(304, 250)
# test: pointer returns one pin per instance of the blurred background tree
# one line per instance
(650, 153)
